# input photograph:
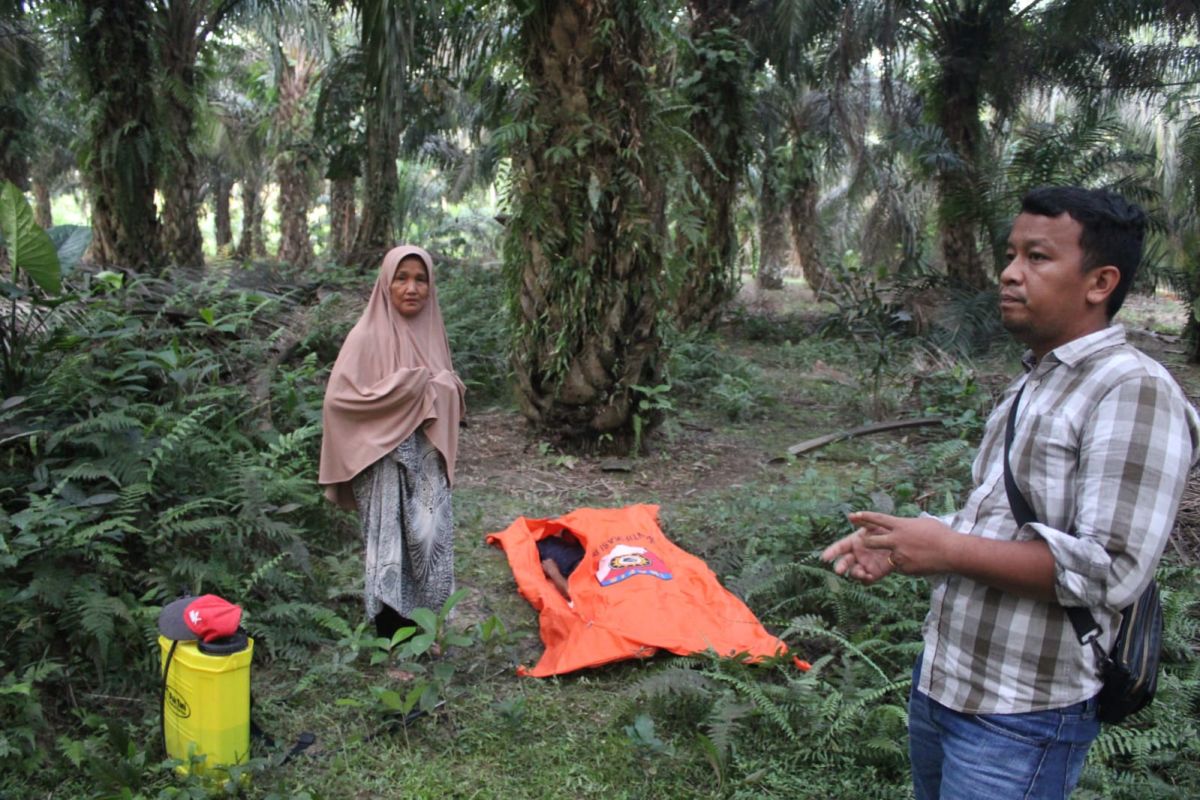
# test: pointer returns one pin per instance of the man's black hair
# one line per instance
(1113, 229)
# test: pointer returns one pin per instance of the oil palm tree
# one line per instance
(296, 72)
(20, 63)
(974, 55)
(1188, 227)
(112, 57)
(718, 61)
(729, 43)
(339, 101)
(978, 59)
(389, 42)
(241, 108)
(808, 118)
(583, 248)
(56, 127)
(183, 28)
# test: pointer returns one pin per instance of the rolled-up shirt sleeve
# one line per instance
(1134, 456)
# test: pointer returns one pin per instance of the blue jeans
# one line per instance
(1032, 756)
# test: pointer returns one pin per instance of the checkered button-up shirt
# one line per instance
(1103, 444)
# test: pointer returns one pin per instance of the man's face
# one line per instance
(1044, 292)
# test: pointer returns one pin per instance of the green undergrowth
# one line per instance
(166, 441)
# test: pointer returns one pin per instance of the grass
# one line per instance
(506, 737)
(665, 727)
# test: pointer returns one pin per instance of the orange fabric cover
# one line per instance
(638, 611)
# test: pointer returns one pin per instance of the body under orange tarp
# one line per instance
(634, 593)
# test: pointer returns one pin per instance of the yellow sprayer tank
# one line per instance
(206, 702)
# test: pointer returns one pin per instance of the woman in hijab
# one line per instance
(391, 413)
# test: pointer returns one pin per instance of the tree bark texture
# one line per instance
(582, 248)
(14, 166)
(113, 60)
(222, 188)
(806, 236)
(382, 26)
(21, 62)
(374, 235)
(42, 212)
(721, 66)
(957, 108)
(183, 29)
(774, 249)
(292, 166)
(251, 243)
(342, 217)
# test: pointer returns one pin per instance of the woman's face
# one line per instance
(410, 286)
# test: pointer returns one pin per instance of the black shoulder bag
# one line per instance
(1130, 670)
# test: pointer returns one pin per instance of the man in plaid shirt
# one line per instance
(1004, 695)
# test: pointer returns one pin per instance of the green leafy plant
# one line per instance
(867, 314)
(549, 451)
(416, 652)
(652, 403)
(25, 722)
(738, 398)
(36, 262)
(30, 249)
(134, 472)
(644, 740)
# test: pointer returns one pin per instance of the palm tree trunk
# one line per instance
(957, 236)
(295, 246)
(958, 221)
(1191, 329)
(113, 59)
(222, 187)
(718, 95)
(806, 234)
(774, 249)
(180, 26)
(20, 64)
(42, 212)
(250, 243)
(182, 239)
(583, 246)
(342, 216)
(379, 193)
(14, 167)
(291, 167)
(383, 25)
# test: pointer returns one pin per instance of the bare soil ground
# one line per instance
(500, 452)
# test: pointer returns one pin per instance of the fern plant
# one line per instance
(140, 474)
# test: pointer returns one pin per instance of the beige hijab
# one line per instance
(392, 376)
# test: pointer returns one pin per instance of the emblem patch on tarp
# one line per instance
(623, 562)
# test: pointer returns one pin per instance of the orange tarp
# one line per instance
(633, 594)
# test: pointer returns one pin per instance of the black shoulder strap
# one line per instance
(1020, 507)
(1082, 620)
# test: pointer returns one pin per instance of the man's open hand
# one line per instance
(913, 546)
(852, 558)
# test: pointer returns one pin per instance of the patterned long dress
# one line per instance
(408, 528)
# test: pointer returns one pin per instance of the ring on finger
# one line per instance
(890, 561)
